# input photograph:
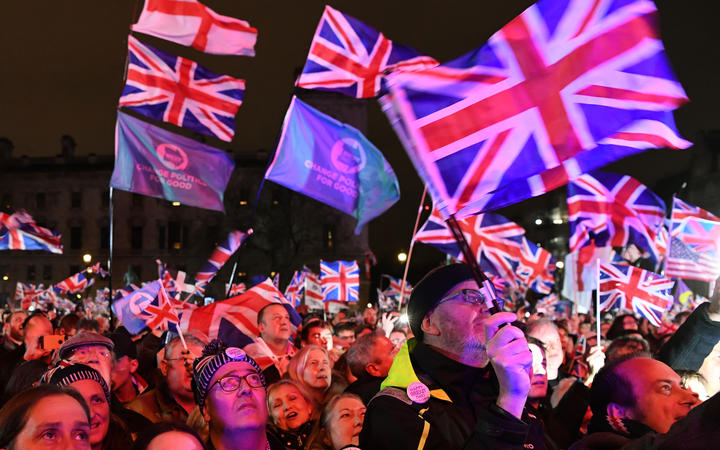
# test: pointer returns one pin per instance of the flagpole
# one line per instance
(232, 279)
(482, 280)
(110, 245)
(597, 302)
(410, 249)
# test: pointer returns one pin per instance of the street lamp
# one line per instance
(5, 278)
(87, 257)
(559, 264)
(402, 257)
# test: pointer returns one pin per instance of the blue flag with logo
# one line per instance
(155, 162)
(333, 163)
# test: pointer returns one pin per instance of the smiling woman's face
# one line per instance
(288, 407)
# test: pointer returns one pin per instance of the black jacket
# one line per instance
(460, 413)
(692, 342)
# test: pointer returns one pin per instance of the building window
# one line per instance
(76, 238)
(136, 238)
(104, 238)
(162, 236)
(329, 236)
(30, 273)
(40, 200)
(74, 269)
(47, 272)
(175, 235)
(76, 199)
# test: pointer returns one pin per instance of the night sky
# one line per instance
(62, 72)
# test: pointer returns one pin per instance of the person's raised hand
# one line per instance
(387, 323)
(511, 359)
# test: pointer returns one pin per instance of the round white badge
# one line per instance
(418, 392)
(235, 353)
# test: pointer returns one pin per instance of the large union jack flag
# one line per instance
(74, 284)
(535, 268)
(294, 289)
(179, 91)
(149, 307)
(614, 210)
(495, 241)
(235, 320)
(351, 58)
(19, 231)
(628, 287)
(563, 89)
(340, 280)
(217, 259)
(694, 243)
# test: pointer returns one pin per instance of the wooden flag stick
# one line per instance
(410, 250)
(482, 280)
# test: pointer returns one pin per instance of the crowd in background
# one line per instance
(449, 374)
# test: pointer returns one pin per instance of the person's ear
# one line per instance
(428, 326)
(615, 410)
(163, 366)
(133, 365)
(371, 369)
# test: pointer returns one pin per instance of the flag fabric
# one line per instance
(682, 293)
(149, 306)
(176, 90)
(694, 251)
(333, 163)
(293, 291)
(190, 23)
(535, 268)
(340, 280)
(369, 260)
(167, 279)
(634, 289)
(98, 269)
(218, 258)
(561, 90)
(236, 289)
(581, 271)
(313, 294)
(494, 240)
(614, 210)
(155, 162)
(395, 292)
(19, 231)
(73, 284)
(234, 320)
(276, 280)
(349, 57)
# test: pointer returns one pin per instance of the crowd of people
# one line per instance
(451, 376)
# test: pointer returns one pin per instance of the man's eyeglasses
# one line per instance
(231, 383)
(472, 296)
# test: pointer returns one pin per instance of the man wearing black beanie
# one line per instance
(462, 382)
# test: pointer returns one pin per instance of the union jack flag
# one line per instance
(613, 210)
(235, 320)
(369, 260)
(97, 268)
(628, 287)
(536, 267)
(117, 294)
(694, 243)
(340, 280)
(276, 280)
(393, 291)
(548, 303)
(179, 91)
(351, 58)
(236, 289)
(294, 289)
(495, 241)
(73, 284)
(219, 257)
(561, 90)
(149, 306)
(19, 231)
(166, 279)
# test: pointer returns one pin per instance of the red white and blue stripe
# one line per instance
(340, 280)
